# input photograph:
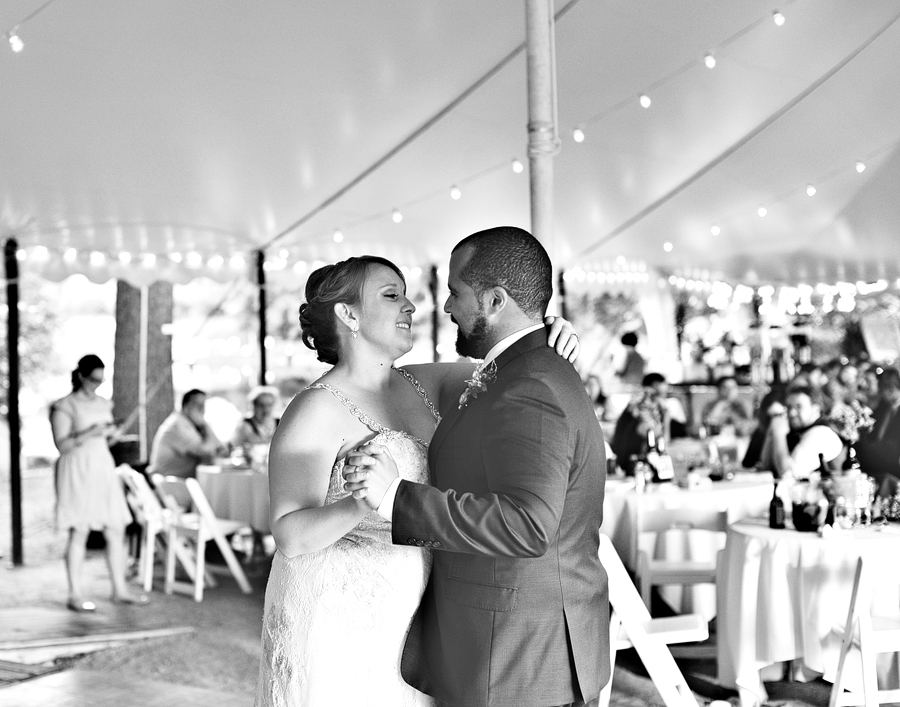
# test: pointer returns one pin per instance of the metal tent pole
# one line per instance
(15, 441)
(543, 139)
(261, 284)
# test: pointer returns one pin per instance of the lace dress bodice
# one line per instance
(355, 597)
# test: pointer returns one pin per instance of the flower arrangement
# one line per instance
(849, 420)
(483, 375)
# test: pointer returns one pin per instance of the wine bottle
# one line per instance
(665, 469)
(776, 510)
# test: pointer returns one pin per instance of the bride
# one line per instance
(338, 587)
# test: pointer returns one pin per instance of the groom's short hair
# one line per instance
(513, 259)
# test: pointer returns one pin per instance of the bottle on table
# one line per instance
(776, 510)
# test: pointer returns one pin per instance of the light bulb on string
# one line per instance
(578, 135)
(810, 190)
(860, 167)
(517, 166)
(667, 246)
(762, 211)
(644, 100)
(397, 216)
(15, 42)
(455, 193)
(338, 236)
(715, 230)
(778, 18)
(710, 61)
(125, 257)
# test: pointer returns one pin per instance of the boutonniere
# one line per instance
(478, 382)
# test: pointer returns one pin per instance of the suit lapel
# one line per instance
(526, 343)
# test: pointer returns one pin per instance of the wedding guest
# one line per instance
(632, 370)
(727, 409)
(185, 439)
(879, 450)
(259, 427)
(798, 435)
(771, 405)
(647, 411)
(89, 492)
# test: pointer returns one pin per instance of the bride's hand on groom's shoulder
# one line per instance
(562, 337)
(368, 472)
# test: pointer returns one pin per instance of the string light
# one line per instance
(124, 258)
(237, 262)
(644, 100)
(517, 166)
(578, 135)
(810, 190)
(15, 42)
(396, 216)
(710, 61)
(455, 193)
(715, 230)
(338, 236)
(762, 211)
(667, 246)
(778, 18)
(860, 167)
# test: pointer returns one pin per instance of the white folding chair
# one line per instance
(870, 635)
(652, 572)
(630, 625)
(197, 527)
(149, 513)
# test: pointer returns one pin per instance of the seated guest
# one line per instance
(185, 440)
(798, 435)
(645, 412)
(879, 449)
(726, 409)
(771, 404)
(259, 427)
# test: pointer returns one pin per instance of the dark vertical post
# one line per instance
(15, 441)
(261, 283)
(435, 313)
(561, 290)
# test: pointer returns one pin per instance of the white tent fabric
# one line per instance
(167, 139)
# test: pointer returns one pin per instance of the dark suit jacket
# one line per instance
(880, 457)
(516, 610)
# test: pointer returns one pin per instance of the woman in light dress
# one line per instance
(89, 492)
(338, 587)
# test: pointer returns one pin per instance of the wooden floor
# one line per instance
(85, 688)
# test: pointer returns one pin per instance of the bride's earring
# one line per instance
(354, 333)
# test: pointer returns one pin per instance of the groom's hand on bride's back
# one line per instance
(368, 473)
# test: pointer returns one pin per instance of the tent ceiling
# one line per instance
(209, 128)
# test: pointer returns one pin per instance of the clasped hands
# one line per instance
(368, 472)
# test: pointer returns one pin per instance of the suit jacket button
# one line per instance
(411, 541)
(420, 543)
(427, 543)
(436, 543)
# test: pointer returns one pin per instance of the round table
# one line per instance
(747, 495)
(237, 493)
(781, 592)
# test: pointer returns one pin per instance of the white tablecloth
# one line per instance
(781, 592)
(238, 494)
(747, 495)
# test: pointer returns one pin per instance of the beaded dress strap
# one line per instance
(352, 407)
(421, 391)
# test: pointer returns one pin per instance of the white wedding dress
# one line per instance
(336, 620)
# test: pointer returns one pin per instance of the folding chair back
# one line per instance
(150, 515)
(630, 625)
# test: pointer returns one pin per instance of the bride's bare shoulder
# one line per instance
(442, 378)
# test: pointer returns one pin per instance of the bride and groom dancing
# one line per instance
(514, 609)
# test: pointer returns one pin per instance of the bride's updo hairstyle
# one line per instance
(326, 287)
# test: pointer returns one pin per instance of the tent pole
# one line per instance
(543, 139)
(261, 283)
(143, 344)
(435, 317)
(12, 351)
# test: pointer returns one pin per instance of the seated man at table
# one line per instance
(185, 440)
(726, 409)
(798, 434)
(647, 411)
(879, 450)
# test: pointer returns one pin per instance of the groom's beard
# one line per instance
(475, 344)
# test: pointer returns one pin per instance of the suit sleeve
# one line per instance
(525, 456)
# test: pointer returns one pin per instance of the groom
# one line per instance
(516, 609)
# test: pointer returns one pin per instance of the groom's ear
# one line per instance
(496, 299)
